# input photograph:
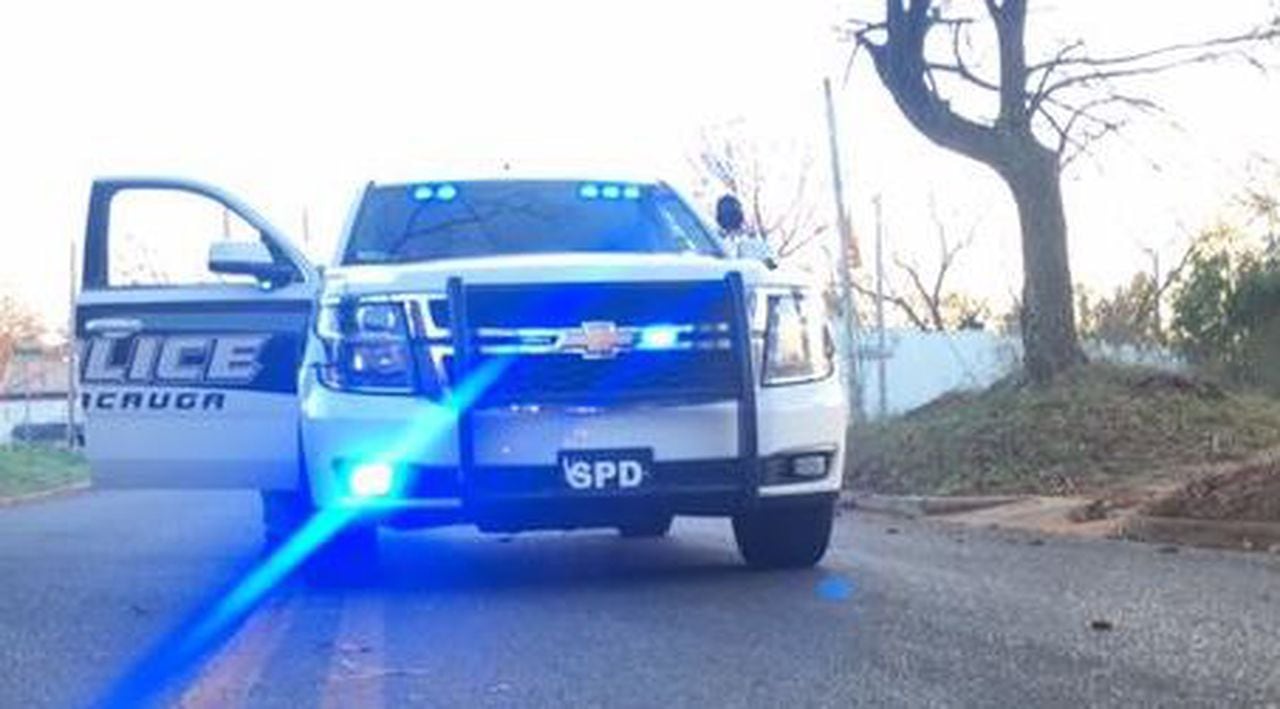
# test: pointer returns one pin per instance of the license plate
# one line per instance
(604, 470)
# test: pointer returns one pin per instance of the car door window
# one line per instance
(161, 238)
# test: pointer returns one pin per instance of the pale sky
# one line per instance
(294, 106)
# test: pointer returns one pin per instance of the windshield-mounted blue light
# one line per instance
(588, 191)
(441, 193)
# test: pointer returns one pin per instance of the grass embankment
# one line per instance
(1096, 428)
(29, 469)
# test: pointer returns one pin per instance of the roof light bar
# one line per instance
(610, 191)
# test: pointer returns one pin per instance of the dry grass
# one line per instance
(28, 469)
(1098, 427)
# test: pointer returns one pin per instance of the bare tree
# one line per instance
(1261, 211)
(926, 301)
(1261, 201)
(1047, 112)
(139, 264)
(1162, 281)
(778, 204)
(18, 324)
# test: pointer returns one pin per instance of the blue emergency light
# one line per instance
(659, 338)
(439, 193)
(591, 190)
(370, 480)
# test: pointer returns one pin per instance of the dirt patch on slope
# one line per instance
(1248, 492)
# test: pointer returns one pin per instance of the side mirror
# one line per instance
(250, 258)
(729, 214)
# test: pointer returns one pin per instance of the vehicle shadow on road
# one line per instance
(448, 561)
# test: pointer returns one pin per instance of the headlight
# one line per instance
(367, 346)
(796, 348)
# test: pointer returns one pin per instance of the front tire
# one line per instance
(785, 536)
(283, 514)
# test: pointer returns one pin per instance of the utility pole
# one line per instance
(882, 347)
(1156, 284)
(26, 388)
(847, 251)
(71, 350)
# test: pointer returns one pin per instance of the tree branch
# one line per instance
(898, 302)
(1261, 34)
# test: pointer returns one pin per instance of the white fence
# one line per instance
(921, 366)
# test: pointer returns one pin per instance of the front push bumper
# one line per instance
(499, 467)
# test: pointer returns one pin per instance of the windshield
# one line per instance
(428, 221)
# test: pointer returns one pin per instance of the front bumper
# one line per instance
(696, 467)
(536, 497)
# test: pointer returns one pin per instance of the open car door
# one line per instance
(191, 323)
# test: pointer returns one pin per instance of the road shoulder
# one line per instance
(1076, 517)
(45, 495)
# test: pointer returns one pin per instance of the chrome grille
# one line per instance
(593, 343)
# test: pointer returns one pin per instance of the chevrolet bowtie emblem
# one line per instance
(595, 340)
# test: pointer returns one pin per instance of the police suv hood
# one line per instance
(432, 276)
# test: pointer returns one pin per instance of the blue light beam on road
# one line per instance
(255, 585)
(178, 653)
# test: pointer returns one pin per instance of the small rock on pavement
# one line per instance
(1168, 549)
(1101, 625)
(892, 530)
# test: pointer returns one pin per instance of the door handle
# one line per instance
(114, 326)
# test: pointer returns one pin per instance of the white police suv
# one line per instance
(513, 354)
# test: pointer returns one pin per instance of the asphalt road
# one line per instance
(902, 614)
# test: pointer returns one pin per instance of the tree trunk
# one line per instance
(1049, 341)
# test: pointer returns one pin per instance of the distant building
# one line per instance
(33, 390)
